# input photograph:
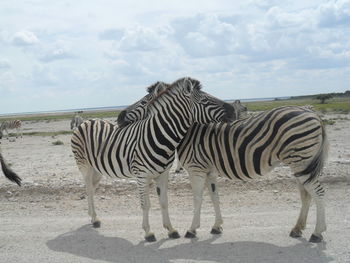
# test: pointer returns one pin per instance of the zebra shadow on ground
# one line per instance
(87, 242)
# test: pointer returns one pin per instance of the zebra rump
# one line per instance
(11, 175)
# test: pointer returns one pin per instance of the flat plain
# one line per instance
(46, 219)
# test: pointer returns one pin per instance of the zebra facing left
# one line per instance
(145, 149)
(11, 124)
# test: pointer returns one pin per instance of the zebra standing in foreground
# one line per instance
(76, 121)
(145, 149)
(252, 147)
(240, 111)
(12, 176)
(8, 125)
(249, 148)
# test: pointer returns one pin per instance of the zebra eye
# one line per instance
(204, 100)
(143, 103)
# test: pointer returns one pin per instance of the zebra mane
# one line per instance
(195, 84)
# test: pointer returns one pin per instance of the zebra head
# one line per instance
(187, 98)
(138, 110)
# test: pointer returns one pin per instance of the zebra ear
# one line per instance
(237, 102)
(188, 86)
(156, 88)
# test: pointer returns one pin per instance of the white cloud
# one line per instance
(334, 13)
(57, 54)
(140, 39)
(238, 49)
(24, 38)
(205, 35)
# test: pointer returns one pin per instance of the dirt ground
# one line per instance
(46, 219)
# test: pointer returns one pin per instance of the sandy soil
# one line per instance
(46, 219)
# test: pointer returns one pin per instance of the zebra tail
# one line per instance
(11, 175)
(315, 167)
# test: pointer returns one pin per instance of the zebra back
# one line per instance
(251, 147)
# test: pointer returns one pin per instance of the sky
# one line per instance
(57, 55)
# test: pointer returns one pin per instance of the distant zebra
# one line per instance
(12, 176)
(76, 121)
(252, 147)
(240, 109)
(145, 149)
(8, 125)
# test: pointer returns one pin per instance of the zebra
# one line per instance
(11, 175)
(12, 124)
(76, 121)
(248, 148)
(252, 147)
(145, 149)
(240, 111)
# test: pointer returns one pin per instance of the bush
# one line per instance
(58, 142)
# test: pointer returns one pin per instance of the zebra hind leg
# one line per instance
(305, 205)
(198, 181)
(162, 188)
(92, 179)
(316, 192)
(214, 195)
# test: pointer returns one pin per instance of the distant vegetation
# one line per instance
(333, 102)
(330, 102)
(60, 116)
(58, 142)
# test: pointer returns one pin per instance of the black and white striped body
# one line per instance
(120, 152)
(144, 149)
(252, 147)
(239, 112)
(9, 125)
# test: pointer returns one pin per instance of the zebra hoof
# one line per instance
(216, 231)
(150, 238)
(295, 233)
(174, 235)
(315, 239)
(96, 224)
(190, 234)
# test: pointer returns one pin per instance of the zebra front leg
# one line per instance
(143, 188)
(214, 195)
(92, 179)
(197, 184)
(162, 189)
(305, 205)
